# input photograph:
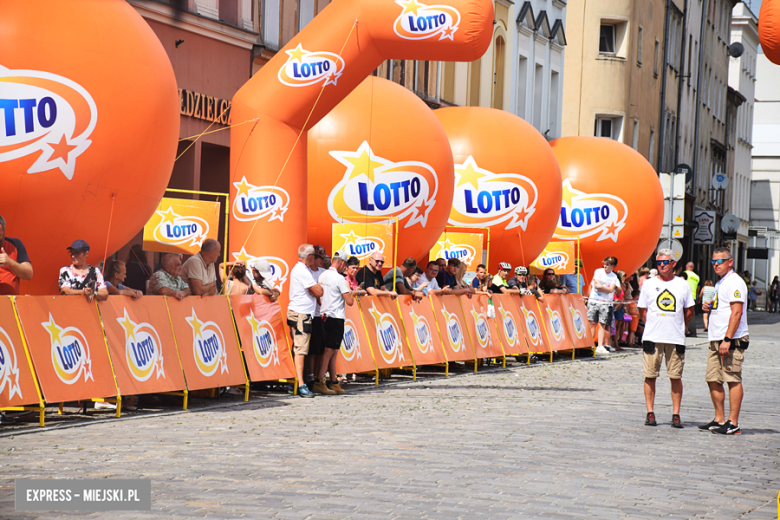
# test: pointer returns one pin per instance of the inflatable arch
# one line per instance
(302, 83)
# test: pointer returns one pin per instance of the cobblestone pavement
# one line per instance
(561, 440)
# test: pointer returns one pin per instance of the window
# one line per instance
(607, 39)
(609, 127)
(498, 73)
(271, 23)
(639, 47)
(635, 143)
(305, 13)
(655, 58)
(651, 155)
(552, 118)
(474, 78)
(690, 44)
(448, 78)
(538, 95)
(522, 86)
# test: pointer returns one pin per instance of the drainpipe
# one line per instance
(663, 86)
(680, 86)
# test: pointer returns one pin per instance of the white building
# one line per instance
(742, 78)
(765, 186)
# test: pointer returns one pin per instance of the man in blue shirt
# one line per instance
(574, 282)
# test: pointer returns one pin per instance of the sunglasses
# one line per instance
(718, 261)
(663, 262)
(379, 262)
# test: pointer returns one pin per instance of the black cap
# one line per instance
(320, 252)
(79, 246)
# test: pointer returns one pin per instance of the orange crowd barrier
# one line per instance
(534, 327)
(553, 322)
(420, 326)
(262, 334)
(577, 320)
(206, 341)
(386, 334)
(18, 386)
(484, 335)
(451, 322)
(510, 324)
(141, 345)
(355, 354)
(67, 347)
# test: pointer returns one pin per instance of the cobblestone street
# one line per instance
(561, 440)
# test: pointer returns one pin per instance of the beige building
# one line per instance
(613, 72)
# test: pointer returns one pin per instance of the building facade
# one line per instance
(742, 79)
(765, 184)
(614, 69)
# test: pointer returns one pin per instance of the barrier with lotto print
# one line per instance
(55, 349)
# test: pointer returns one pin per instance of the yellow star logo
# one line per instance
(570, 193)
(360, 162)
(243, 187)
(128, 325)
(243, 256)
(168, 216)
(376, 314)
(410, 7)
(350, 238)
(54, 330)
(468, 173)
(297, 53)
(195, 323)
(253, 321)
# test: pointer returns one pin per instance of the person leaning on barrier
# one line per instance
(304, 291)
(236, 281)
(199, 271)
(665, 305)
(446, 276)
(168, 281)
(14, 263)
(370, 277)
(461, 285)
(80, 278)
(499, 284)
(574, 282)
(336, 294)
(261, 272)
(401, 285)
(728, 336)
(481, 281)
(429, 278)
(550, 283)
(115, 277)
(353, 264)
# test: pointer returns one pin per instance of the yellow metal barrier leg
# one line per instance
(118, 406)
(42, 410)
(186, 397)
(59, 410)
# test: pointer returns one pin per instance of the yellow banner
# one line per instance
(556, 255)
(181, 226)
(363, 240)
(466, 247)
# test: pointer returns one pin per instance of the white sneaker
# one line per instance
(601, 350)
(611, 348)
(99, 405)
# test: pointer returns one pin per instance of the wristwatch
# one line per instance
(726, 338)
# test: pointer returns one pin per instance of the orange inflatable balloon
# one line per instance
(506, 178)
(612, 202)
(769, 30)
(304, 81)
(89, 120)
(381, 152)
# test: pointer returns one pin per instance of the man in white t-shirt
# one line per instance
(728, 335)
(304, 291)
(336, 294)
(665, 305)
(600, 301)
(429, 277)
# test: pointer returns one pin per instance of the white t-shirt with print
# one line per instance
(316, 275)
(605, 279)
(730, 288)
(665, 303)
(301, 300)
(334, 287)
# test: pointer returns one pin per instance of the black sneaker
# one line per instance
(710, 425)
(727, 428)
(650, 421)
(676, 422)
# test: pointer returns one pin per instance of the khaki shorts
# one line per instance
(724, 370)
(296, 321)
(651, 363)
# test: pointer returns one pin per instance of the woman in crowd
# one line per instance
(353, 266)
(551, 284)
(116, 272)
(460, 282)
(774, 294)
(80, 278)
(237, 281)
(706, 295)
(644, 274)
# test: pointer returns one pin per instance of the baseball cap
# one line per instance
(505, 265)
(263, 267)
(79, 246)
(320, 252)
(521, 270)
(342, 254)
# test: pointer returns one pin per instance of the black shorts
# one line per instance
(334, 333)
(317, 343)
